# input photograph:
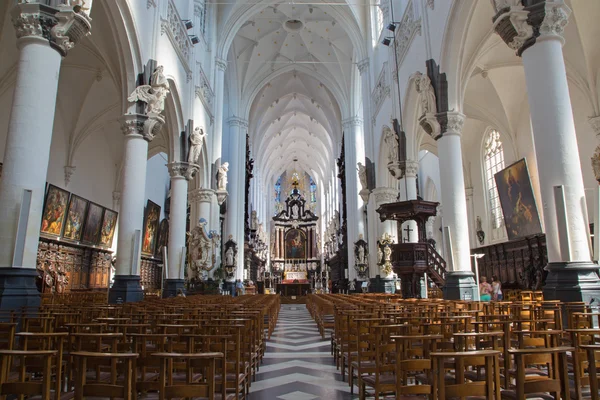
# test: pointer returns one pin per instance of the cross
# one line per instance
(408, 231)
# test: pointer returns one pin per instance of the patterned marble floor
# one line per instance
(298, 364)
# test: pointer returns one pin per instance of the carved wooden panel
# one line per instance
(150, 273)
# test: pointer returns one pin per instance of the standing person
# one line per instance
(485, 289)
(239, 288)
(496, 289)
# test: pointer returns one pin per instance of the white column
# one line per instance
(383, 195)
(181, 173)
(556, 144)
(452, 183)
(31, 122)
(133, 187)
(354, 152)
(217, 139)
(408, 190)
(234, 223)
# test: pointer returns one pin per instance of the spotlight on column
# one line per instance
(392, 27)
(386, 41)
(188, 24)
(194, 39)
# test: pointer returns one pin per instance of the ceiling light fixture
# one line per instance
(195, 39)
(188, 24)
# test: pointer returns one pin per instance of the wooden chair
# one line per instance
(557, 381)
(120, 364)
(23, 385)
(593, 358)
(7, 335)
(462, 387)
(206, 362)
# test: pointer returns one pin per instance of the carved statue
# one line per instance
(596, 163)
(361, 255)
(362, 175)
(229, 257)
(392, 144)
(379, 255)
(153, 95)
(201, 250)
(253, 220)
(222, 176)
(196, 139)
(295, 211)
(425, 89)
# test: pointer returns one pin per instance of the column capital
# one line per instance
(221, 64)
(201, 195)
(61, 26)
(144, 126)
(411, 168)
(451, 123)
(363, 65)
(521, 26)
(237, 121)
(348, 123)
(180, 169)
(595, 124)
(385, 195)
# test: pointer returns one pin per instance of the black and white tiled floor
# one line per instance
(298, 364)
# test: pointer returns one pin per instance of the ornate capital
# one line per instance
(348, 123)
(363, 66)
(182, 170)
(411, 168)
(69, 171)
(221, 64)
(201, 196)
(237, 121)
(451, 123)
(520, 26)
(62, 26)
(141, 125)
(385, 195)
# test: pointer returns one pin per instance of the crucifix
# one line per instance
(408, 231)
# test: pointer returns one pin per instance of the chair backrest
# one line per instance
(7, 335)
(119, 383)
(23, 385)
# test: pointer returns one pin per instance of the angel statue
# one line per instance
(362, 175)
(153, 95)
(222, 176)
(196, 139)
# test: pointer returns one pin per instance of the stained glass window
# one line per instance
(313, 191)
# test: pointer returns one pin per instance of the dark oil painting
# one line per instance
(75, 218)
(518, 202)
(150, 228)
(55, 210)
(109, 223)
(93, 224)
(295, 244)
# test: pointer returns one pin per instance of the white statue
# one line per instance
(153, 95)
(361, 255)
(379, 255)
(229, 257)
(196, 139)
(295, 211)
(426, 92)
(362, 175)
(222, 176)
(392, 144)
(253, 220)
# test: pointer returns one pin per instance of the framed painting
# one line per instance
(93, 224)
(295, 244)
(517, 200)
(163, 236)
(151, 219)
(75, 218)
(55, 211)
(109, 223)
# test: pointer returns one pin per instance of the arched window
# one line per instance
(493, 162)
(377, 23)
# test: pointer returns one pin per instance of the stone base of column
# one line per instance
(18, 288)
(572, 281)
(460, 285)
(172, 286)
(380, 285)
(125, 289)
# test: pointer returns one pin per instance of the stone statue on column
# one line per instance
(426, 93)
(222, 176)
(154, 94)
(391, 142)
(196, 141)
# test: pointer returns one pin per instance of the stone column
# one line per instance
(408, 189)
(384, 195)
(217, 138)
(595, 123)
(44, 35)
(234, 222)
(354, 143)
(538, 39)
(460, 282)
(181, 173)
(139, 131)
